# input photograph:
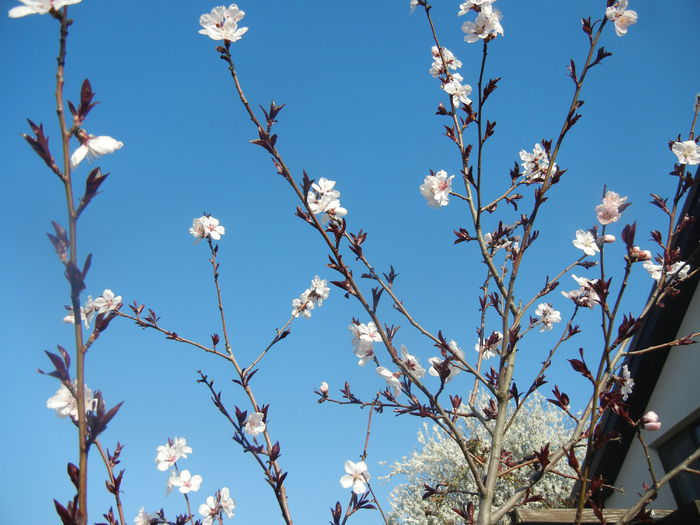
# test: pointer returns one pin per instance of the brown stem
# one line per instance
(112, 479)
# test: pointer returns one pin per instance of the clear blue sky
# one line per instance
(360, 110)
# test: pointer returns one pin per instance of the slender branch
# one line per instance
(110, 472)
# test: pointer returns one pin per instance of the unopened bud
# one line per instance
(637, 254)
(323, 388)
(650, 421)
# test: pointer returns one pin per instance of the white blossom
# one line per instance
(302, 305)
(39, 7)
(440, 460)
(107, 302)
(168, 454)
(490, 345)
(94, 147)
(585, 241)
(437, 68)
(486, 25)
(411, 363)
(548, 316)
(460, 93)
(254, 424)
(324, 199)
(627, 383)
(207, 226)
(436, 188)
(87, 313)
(452, 369)
(688, 152)
(222, 23)
(467, 6)
(363, 336)
(680, 268)
(185, 482)
(391, 380)
(65, 404)
(216, 505)
(144, 518)
(585, 296)
(535, 164)
(621, 16)
(356, 477)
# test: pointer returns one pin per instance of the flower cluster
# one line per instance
(437, 68)
(610, 210)
(66, 405)
(39, 7)
(679, 269)
(363, 336)
(106, 303)
(585, 296)
(548, 316)
(311, 297)
(487, 24)
(621, 16)
(216, 505)
(207, 226)
(324, 198)
(222, 23)
(356, 477)
(436, 188)
(536, 164)
(168, 454)
(688, 152)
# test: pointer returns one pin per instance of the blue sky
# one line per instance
(360, 110)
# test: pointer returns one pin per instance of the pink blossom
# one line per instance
(610, 210)
(650, 421)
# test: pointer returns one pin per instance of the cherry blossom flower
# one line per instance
(324, 198)
(144, 518)
(363, 336)
(302, 305)
(680, 268)
(39, 7)
(486, 26)
(319, 290)
(452, 369)
(548, 316)
(467, 6)
(254, 424)
(87, 313)
(222, 23)
(650, 421)
(688, 152)
(185, 482)
(93, 147)
(413, 4)
(621, 16)
(490, 346)
(436, 188)
(107, 302)
(411, 363)
(585, 241)
(323, 388)
(356, 477)
(585, 296)
(610, 210)
(171, 452)
(391, 380)
(207, 226)
(460, 93)
(217, 504)
(65, 404)
(626, 383)
(535, 164)
(437, 68)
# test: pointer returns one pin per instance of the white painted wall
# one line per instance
(675, 398)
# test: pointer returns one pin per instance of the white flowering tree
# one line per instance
(471, 400)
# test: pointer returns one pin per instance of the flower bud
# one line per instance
(637, 254)
(650, 421)
(323, 388)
